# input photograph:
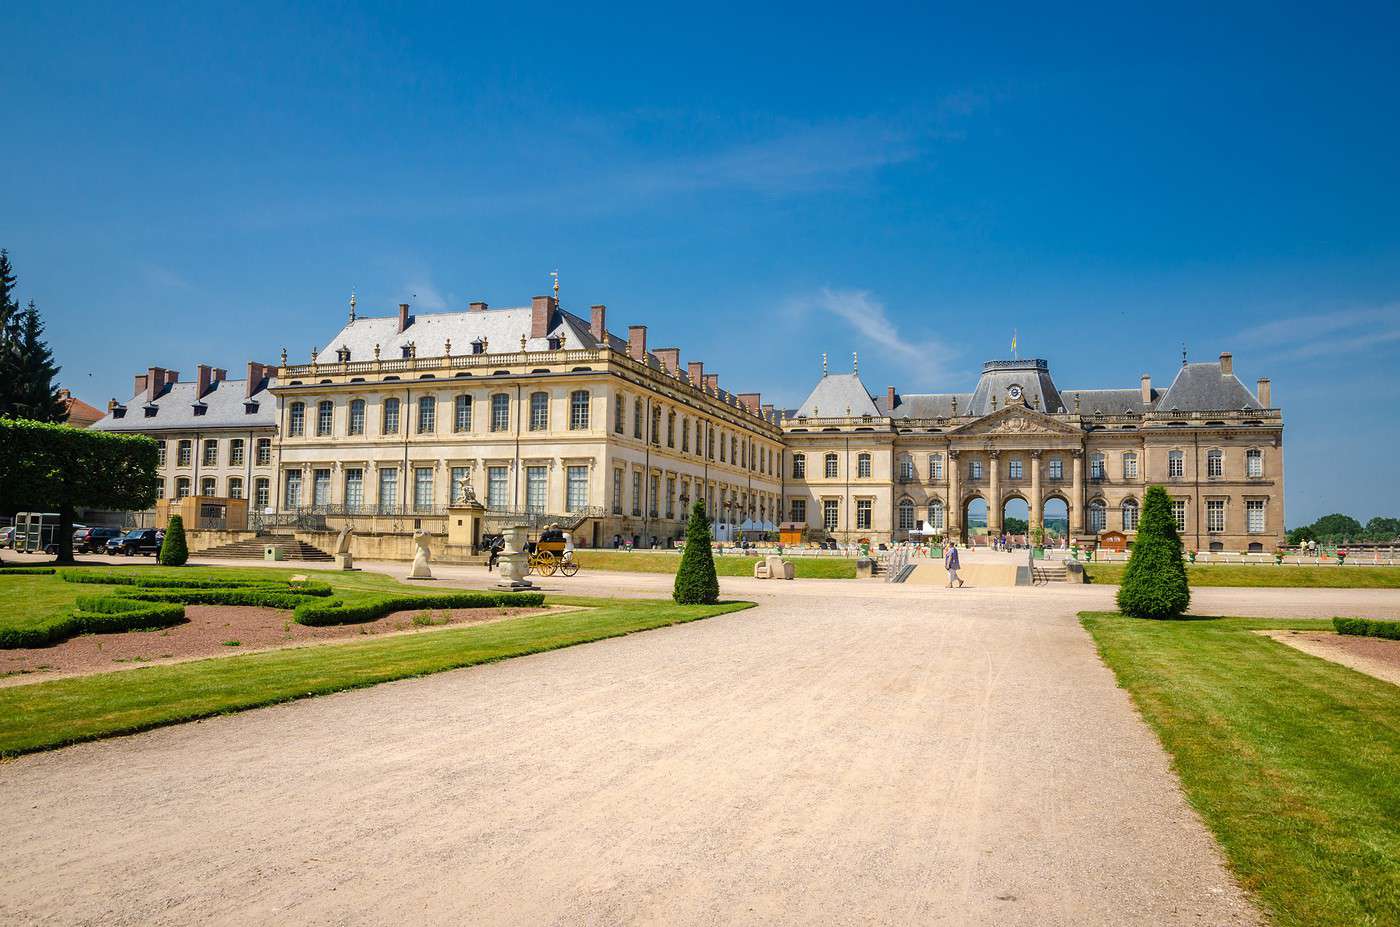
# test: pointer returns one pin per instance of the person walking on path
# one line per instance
(950, 563)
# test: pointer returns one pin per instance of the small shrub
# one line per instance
(172, 550)
(23, 571)
(1154, 582)
(1367, 627)
(233, 643)
(95, 615)
(696, 582)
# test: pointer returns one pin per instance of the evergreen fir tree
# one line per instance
(32, 393)
(1154, 583)
(9, 309)
(696, 582)
(173, 551)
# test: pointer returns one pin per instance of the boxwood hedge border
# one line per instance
(1368, 627)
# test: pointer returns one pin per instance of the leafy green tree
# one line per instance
(57, 468)
(1013, 525)
(696, 582)
(1301, 535)
(1382, 528)
(1154, 583)
(30, 371)
(173, 551)
(1337, 527)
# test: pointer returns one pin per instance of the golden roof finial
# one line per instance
(555, 275)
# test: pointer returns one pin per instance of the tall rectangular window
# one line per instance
(422, 489)
(211, 453)
(536, 488)
(1176, 464)
(576, 489)
(391, 416)
(1254, 462)
(184, 453)
(235, 452)
(293, 489)
(1254, 511)
(670, 497)
(325, 415)
(354, 488)
(1215, 464)
(863, 467)
(357, 417)
(1014, 468)
(830, 466)
(578, 410)
(1096, 470)
(636, 418)
(462, 414)
(296, 419)
(619, 405)
(974, 469)
(654, 502)
(1130, 467)
(1179, 513)
(500, 412)
(685, 435)
(636, 492)
(617, 492)
(799, 466)
(388, 489)
(831, 514)
(935, 466)
(1057, 468)
(264, 452)
(160, 453)
(496, 482)
(321, 487)
(799, 511)
(262, 493)
(539, 411)
(427, 415)
(1215, 515)
(862, 514)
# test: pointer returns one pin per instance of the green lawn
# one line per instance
(1293, 761)
(1229, 574)
(653, 561)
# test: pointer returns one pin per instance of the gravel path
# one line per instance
(842, 754)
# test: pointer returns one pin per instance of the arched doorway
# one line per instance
(1015, 518)
(974, 520)
(1055, 519)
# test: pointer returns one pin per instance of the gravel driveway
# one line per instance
(845, 753)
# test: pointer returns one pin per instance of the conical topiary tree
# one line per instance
(172, 550)
(696, 582)
(1154, 584)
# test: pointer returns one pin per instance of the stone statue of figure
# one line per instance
(421, 558)
(465, 494)
(342, 543)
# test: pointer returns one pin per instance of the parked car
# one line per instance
(7, 536)
(94, 540)
(143, 541)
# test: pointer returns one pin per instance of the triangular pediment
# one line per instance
(1015, 420)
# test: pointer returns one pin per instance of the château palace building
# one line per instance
(543, 414)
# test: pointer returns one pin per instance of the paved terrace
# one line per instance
(847, 752)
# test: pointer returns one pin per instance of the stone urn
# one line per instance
(513, 560)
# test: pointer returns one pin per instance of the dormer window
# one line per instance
(150, 411)
(250, 408)
(119, 412)
(407, 351)
(200, 408)
(478, 346)
(556, 342)
(342, 355)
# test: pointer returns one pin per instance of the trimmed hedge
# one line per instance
(118, 578)
(320, 614)
(95, 615)
(252, 595)
(21, 571)
(1368, 627)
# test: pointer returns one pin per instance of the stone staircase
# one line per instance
(252, 549)
(1049, 571)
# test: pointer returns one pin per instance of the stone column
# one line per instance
(994, 493)
(1035, 520)
(1076, 501)
(952, 507)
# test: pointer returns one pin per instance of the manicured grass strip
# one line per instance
(44, 715)
(652, 561)
(1292, 761)
(337, 612)
(1264, 574)
(1367, 627)
(93, 615)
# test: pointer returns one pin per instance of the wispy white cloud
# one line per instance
(424, 295)
(1322, 333)
(867, 316)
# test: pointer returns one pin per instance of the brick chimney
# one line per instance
(220, 374)
(257, 375)
(598, 323)
(696, 371)
(541, 314)
(712, 382)
(1227, 364)
(889, 400)
(476, 307)
(157, 378)
(138, 385)
(751, 401)
(202, 379)
(403, 316)
(671, 359)
(1263, 393)
(637, 342)
(1146, 388)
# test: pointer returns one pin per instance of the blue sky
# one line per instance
(190, 183)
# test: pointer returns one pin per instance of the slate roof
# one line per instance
(175, 409)
(836, 393)
(501, 328)
(926, 405)
(1031, 374)
(1108, 401)
(1204, 388)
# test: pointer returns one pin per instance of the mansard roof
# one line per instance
(837, 395)
(225, 404)
(926, 405)
(1205, 387)
(429, 333)
(1108, 401)
(998, 376)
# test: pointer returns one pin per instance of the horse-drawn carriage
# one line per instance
(553, 552)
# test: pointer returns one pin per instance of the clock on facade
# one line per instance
(1015, 393)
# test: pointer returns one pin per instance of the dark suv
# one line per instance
(93, 540)
(144, 541)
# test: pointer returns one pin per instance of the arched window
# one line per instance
(578, 410)
(1096, 470)
(296, 419)
(1254, 462)
(357, 416)
(799, 468)
(1130, 514)
(1098, 516)
(391, 416)
(1176, 465)
(863, 466)
(935, 515)
(235, 487)
(462, 413)
(1215, 464)
(539, 411)
(182, 487)
(325, 416)
(1130, 467)
(906, 514)
(830, 466)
